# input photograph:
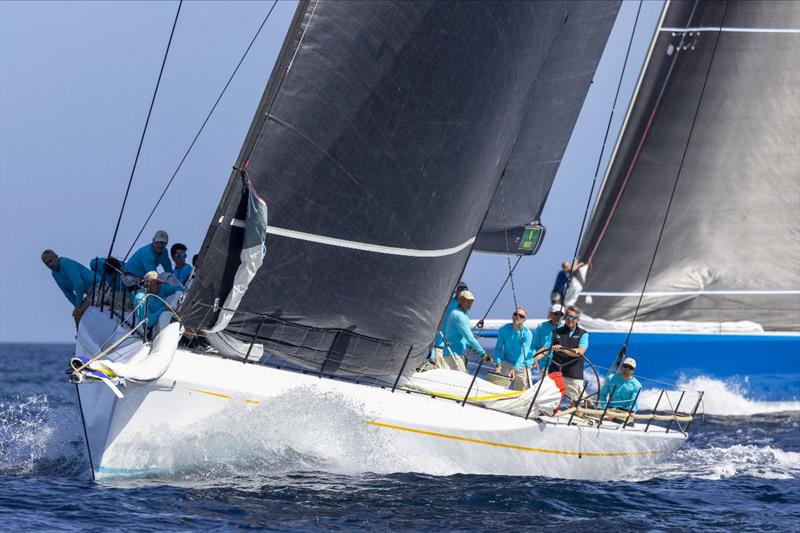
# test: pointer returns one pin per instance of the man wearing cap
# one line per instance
(541, 354)
(149, 256)
(74, 280)
(458, 334)
(570, 343)
(155, 306)
(512, 351)
(623, 388)
(438, 344)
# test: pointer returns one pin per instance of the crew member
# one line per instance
(563, 276)
(438, 345)
(543, 338)
(155, 305)
(570, 343)
(512, 353)
(148, 257)
(182, 269)
(458, 335)
(625, 388)
(74, 280)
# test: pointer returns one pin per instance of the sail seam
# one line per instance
(701, 292)
(363, 246)
(734, 30)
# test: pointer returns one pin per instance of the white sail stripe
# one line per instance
(701, 292)
(734, 30)
(363, 246)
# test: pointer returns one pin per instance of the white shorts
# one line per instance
(574, 387)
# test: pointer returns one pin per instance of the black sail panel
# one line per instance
(378, 146)
(729, 250)
(552, 110)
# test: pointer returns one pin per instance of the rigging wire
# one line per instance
(202, 127)
(144, 130)
(602, 151)
(677, 179)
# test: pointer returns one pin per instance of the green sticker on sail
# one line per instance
(530, 238)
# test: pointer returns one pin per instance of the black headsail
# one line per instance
(378, 146)
(553, 108)
(718, 109)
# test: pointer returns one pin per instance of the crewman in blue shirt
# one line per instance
(459, 335)
(148, 257)
(543, 338)
(74, 280)
(512, 352)
(438, 344)
(625, 387)
(182, 269)
(155, 306)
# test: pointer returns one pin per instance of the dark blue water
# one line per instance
(735, 473)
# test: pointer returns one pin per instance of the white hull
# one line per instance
(372, 429)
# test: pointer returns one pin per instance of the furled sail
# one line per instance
(378, 146)
(553, 107)
(718, 110)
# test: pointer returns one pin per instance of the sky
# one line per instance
(76, 80)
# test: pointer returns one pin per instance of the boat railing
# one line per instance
(325, 353)
(111, 295)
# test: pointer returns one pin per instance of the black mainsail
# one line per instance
(377, 147)
(718, 110)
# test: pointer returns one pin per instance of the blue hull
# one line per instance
(768, 366)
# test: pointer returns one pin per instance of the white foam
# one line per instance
(265, 440)
(729, 398)
(715, 463)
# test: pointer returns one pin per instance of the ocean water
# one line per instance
(739, 471)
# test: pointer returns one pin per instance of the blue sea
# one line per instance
(736, 473)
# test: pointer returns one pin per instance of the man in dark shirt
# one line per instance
(570, 343)
(560, 286)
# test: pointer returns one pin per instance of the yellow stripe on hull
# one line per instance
(509, 446)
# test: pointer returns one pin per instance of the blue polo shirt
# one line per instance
(543, 336)
(183, 272)
(459, 334)
(154, 306)
(513, 346)
(624, 394)
(74, 279)
(452, 304)
(145, 260)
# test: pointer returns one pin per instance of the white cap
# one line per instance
(151, 276)
(466, 295)
(557, 308)
(161, 236)
(629, 361)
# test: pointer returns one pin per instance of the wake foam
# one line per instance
(728, 398)
(739, 460)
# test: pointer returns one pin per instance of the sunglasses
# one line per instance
(517, 315)
(629, 367)
(570, 317)
(181, 255)
(162, 243)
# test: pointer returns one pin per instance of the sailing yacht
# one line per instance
(384, 150)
